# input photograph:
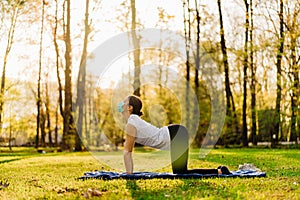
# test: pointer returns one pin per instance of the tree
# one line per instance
(136, 52)
(253, 80)
(230, 112)
(12, 8)
(274, 136)
(197, 57)
(80, 101)
(187, 37)
(47, 109)
(69, 129)
(39, 100)
(245, 129)
(80, 104)
(197, 61)
(58, 64)
(292, 32)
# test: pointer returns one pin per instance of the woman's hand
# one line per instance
(128, 162)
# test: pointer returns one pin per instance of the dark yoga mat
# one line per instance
(105, 175)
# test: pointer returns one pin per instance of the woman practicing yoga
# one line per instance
(173, 137)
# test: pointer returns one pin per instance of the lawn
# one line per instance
(34, 175)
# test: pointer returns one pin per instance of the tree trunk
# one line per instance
(187, 36)
(225, 61)
(292, 31)
(230, 112)
(42, 127)
(136, 52)
(10, 130)
(274, 136)
(295, 88)
(253, 81)
(197, 48)
(81, 81)
(48, 118)
(58, 64)
(87, 129)
(199, 136)
(39, 100)
(69, 129)
(56, 127)
(245, 129)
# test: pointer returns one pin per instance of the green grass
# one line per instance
(53, 176)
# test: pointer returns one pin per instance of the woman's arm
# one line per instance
(128, 147)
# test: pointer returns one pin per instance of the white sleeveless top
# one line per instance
(150, 135)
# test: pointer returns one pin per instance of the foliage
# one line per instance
(161, 106)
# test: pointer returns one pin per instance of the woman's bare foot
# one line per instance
(223, 170)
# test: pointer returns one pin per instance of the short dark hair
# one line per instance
(136, 103)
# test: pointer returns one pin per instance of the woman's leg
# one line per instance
(180, 151)
(179, 148)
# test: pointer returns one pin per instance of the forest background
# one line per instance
(47, 98)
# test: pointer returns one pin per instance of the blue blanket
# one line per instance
(105, 175)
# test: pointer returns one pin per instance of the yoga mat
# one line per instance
(106, 175)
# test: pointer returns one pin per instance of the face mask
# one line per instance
(120, 109)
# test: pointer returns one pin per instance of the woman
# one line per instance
(173, 137)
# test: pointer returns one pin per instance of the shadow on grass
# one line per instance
(9, 160)
(7, 156)
(152, 191)
(188, 188)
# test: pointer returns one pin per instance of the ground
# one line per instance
(33, 175)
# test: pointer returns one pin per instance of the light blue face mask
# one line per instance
(120, 105)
